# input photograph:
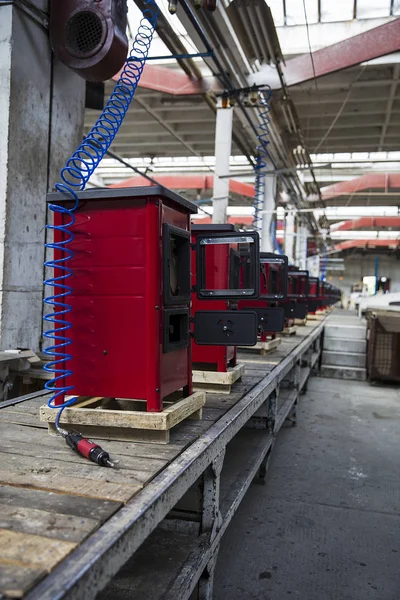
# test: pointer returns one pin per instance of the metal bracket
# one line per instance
(206, 581)
(211, 517)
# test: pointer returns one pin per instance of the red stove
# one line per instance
(213, 357)
(330, 294)
(224, 270)
(314, 295)
(273, 273)
(131, 293)
(296, 305)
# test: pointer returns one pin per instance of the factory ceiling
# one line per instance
(348, 111)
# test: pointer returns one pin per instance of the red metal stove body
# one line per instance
(273, 288)
(131, 294)
(314, 295)
(212, 357)
(297, 297)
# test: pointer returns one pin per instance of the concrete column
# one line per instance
(41, 120)
(289, 237)
(223, 146)
(301, 246)
(266, 243)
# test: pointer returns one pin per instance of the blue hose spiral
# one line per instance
(323, 264)
(74, 177)
(261, 157)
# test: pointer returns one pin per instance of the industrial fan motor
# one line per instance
(89, 36)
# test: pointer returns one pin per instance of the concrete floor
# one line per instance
(326, 526)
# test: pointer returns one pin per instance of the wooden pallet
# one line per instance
(263, 347)
(217, 382)
(292, 330)
(121, 419)
(300, 322)
(316, 316)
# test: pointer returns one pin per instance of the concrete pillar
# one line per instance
(266, 243)
(301, 246)
(289, 237)
(223, 146)
(41, 120)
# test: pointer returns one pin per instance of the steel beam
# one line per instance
(367, 244)
(371, 222)
(189, 182)
(170, 81)
(376, 181)
(360, 48)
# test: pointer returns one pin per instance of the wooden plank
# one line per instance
(54, 443)
(128, 419)
(62, 483)
(91, 508)
(65, 459)
(183, 409)
(292, 330)
(81, 467)
(48, 524)
(8, 415)
(15, 581)
(100, 432)
(32, 551)
(262, 347)
(217, 377)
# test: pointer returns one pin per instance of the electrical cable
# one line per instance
(309, 45)
(74, 177)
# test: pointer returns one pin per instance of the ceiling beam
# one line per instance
(384, 182)
(189, 182)
(370, 244)
(366, 46)
(170, 81)
(370, 222)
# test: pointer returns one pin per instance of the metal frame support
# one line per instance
(289, 236)
(211, 522)
(266, 244)
(211, 516)
(301, 246)
(205, 589)
(223, 147)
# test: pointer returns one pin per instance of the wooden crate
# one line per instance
(122, 419)
(300, 322)
(217, 382)
(263, 347)
(316, 317)
(290, 330)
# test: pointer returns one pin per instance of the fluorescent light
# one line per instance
(365, 235)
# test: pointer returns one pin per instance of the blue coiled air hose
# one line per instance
(261, 157)
(74, 177)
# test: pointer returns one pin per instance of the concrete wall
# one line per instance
(41, 120)
(359, 266)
